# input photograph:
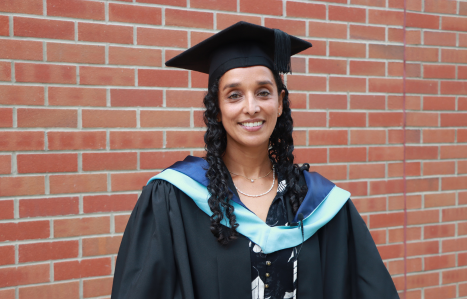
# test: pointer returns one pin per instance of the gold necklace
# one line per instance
(253, 180)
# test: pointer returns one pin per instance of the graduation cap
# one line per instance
(240, 45)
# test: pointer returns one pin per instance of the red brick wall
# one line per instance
(88, 113)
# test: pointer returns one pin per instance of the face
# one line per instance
(250, 105)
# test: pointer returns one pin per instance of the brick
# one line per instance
(358, 188)
(307, 83)
(453, 152)
(385, 85)
(436, 6)
(462, 167)
(457, 275)
(5, 71)
(23, 275)
(7, 209)
(439, 71)
(43, 207)
(267, 7)
(106, 76)
(6, 117)
(439, 231)
(453, 87)
(76, 96)
(423, 248)
(421, 86)
(453, 119)
(411, 169)
(454, 55)
(83, 268)
(419, 119)
(199, 80)
(440, 292)
(421, 152)
(344, 49)
(135, 98)
(101, 246)
(25, 230)
(454, 23)
(380, 3)
(411, 4)
(109, 203)
(327, 30)
(78, 183)
(61, 52)
(411, 102)
(43, 28)
(333, 172)
(297, 100)
(21, 141)
(40, 163)
(51, 291)
(21, 94)
(422, 54)
(439, 168)
(397, 267)
(435, 38)
(76, 140)
(48, 251)
(386, 52)
(397, 136)
(26, 7)
(439, 103)
(76, 9)
(327, 66)
(135, 14)
(391, 251)
(422, 20)
(388, 153)
(109, 161)
(306, 10)
(230, 5)
(5, 164)
(327, 137)
(130, 181)
(367, 68)
(104, 33)
(165, 78)
(58, 118)
(347, 119)
(461, 135)
(367, 102)
(414, 202)
(385, 119)
(397, 234)
(186, 18)
(348, 84)
(386, 220)
(197, 37)
(97, 287)
(165, 118)
(162, 37)
(327, 101)
(299, 137)
(165, 2)
(347, 14)
(298, 64)
(293, 27)
(359, 171)
(461, 74)
(81, 226)
(462, 228)
(4, 25)
(45, 73)
(397, 69)
(22, 185)
(350, 154)
(225, 20)
(440, 262)
(135, 139)
(452, 183)
(109, 118)
(135, 56)
(185, 139)
(412, 37)
(367, 32)
(20, 49)
(319, 48)
(440, 199)
(419, 185)
(367, 136)
(7, 256)
(373, 204)
(385, 17)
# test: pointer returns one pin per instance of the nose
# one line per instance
(251, 104)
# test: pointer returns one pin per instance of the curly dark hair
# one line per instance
(280, 153)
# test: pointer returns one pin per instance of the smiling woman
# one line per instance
(276, 230)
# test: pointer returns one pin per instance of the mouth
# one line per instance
(252, 125)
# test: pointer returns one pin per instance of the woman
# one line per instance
(245, 222)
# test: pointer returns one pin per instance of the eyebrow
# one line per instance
(232, 85)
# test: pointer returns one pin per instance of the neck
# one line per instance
(251, 162)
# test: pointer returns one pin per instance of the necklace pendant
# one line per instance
(252, 181)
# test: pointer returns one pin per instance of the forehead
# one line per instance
(247, 74)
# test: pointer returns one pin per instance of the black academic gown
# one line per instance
(168, 252)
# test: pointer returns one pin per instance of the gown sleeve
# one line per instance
(146, 262)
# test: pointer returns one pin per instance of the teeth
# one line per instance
(252, 124)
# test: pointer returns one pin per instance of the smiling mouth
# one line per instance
(252, 124)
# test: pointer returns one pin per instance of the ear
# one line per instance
(281, 98)
(219, 117)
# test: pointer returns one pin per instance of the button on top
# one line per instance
(267, 274)
(268, 263)
(266, 286)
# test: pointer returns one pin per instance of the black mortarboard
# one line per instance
(240, 45)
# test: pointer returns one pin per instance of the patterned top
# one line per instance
(273, 276)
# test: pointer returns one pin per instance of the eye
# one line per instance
(234, 96)
(264, 93)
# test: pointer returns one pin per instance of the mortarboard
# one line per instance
(240, 45)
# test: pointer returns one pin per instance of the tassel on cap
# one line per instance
(282, 51)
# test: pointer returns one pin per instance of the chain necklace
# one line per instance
(273, 181)
(253, 180)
